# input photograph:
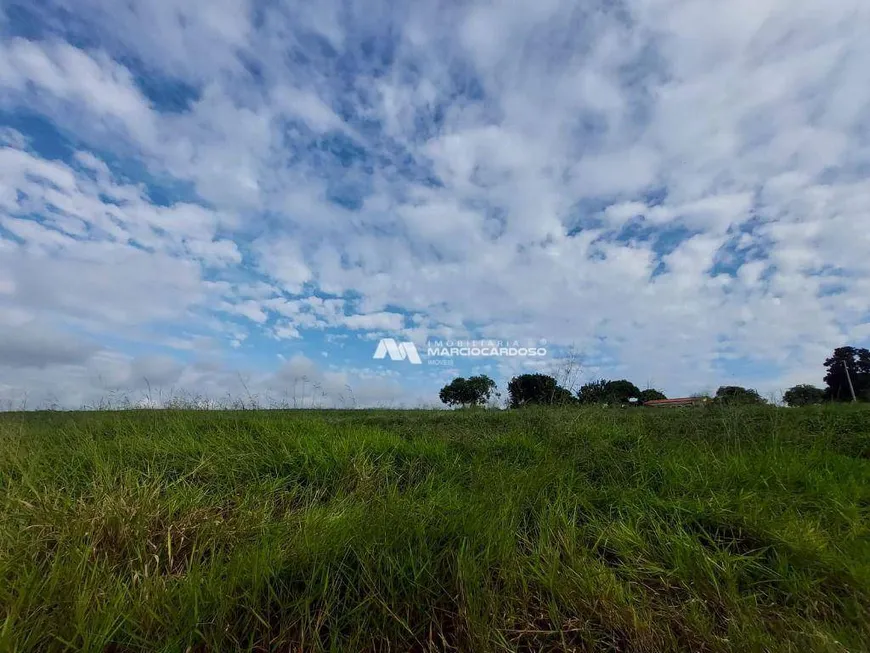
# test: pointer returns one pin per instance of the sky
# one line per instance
(239, 198)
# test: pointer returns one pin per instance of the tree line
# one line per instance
(848, 376)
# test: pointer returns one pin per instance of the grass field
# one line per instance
(620, 530)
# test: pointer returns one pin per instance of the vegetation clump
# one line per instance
(741, 527)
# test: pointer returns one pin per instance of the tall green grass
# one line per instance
(620, 530)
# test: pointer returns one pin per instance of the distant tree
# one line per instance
(804, 395)
(563, 397)
(482, 389)
(858, 362)
(473, 391)
(734, 394)
(594, 392)
(455, 393)
(529, 389)
(619, 392)
(607, 392)
(650, 394)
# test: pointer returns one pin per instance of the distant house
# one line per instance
(682, 402)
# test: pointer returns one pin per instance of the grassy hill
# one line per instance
(621, 530)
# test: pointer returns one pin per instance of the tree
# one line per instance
(857, 360)
(734, 394)
(594, 392)
(482, 389)
(650, 394)
(607, 392)
(528, 389)
(563, 397)
(804, 395)
(619, 392)
(473, 391)
(455, 393)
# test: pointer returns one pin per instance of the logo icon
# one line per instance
(398, 351)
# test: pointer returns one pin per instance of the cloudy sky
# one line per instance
(240, 197)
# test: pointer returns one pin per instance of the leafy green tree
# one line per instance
(619, 392)
(483, 389)
(650, 394)
(594, 392)
(530, 389)
(734, 394)
(455, 393)
(473, 391)
(857, 360)
(804, 395)
(563, 397)
(607, 392)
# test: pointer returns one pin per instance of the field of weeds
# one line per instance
(559, 529)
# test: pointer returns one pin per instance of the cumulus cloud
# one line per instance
(677, 190)
(42, 347)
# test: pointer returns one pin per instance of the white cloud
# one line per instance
(59, 71)
(283, 261)
(482, 168)
(382, 321)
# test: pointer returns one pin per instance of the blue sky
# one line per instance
(230, 197)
